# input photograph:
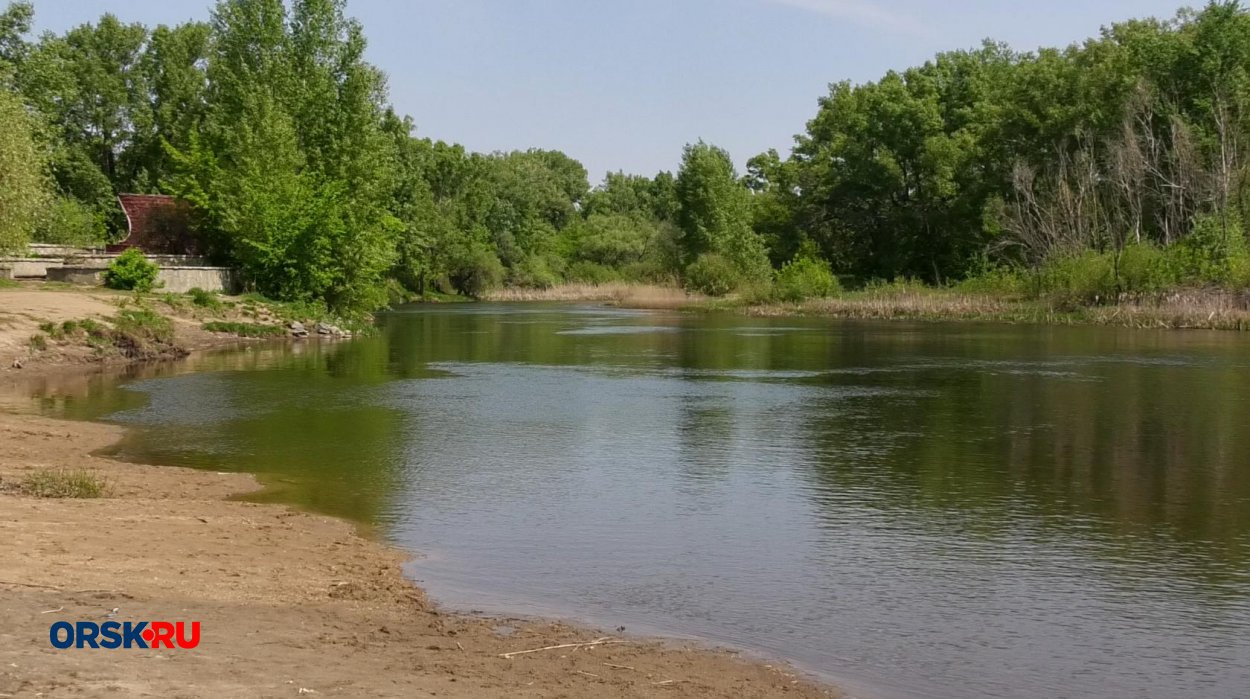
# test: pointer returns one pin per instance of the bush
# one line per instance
(592, 273)
(804, 278)
(1082, 278)
(1239, 273)
(1144, 269)
(46, 483)
(204, 299)
(70, 222)
(131, 271)
(534, 272)
(38, 342)
(609, 240)
(1210, 254)
(474, 269)
(712, 274)
(995, 280)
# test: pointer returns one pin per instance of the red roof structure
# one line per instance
(158, 225)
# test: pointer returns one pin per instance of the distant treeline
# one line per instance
(1116, 165)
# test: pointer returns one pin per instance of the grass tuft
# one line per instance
(60, 483)
(245, 329)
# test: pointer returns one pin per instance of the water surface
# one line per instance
(918, 510)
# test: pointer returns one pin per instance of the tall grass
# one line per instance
(624, 294)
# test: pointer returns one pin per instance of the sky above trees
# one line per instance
(624, 85)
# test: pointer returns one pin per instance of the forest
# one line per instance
(1115, 166)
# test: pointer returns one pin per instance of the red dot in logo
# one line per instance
(148, 635)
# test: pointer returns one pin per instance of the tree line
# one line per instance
(1114, 165)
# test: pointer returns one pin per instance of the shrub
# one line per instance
(38, 342)
(1081, 278)
(712, 274)
(131, 271)
(1239, 273)
(204, 299)
(1144, 269)
(805, 277)
(1211, 254)
(47, 483)
(534, 272)
(88, 325)
(474, 269)
(70, 222)
(610, 240)
(592, 273)
(995, 280)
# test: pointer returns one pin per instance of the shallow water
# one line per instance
(917, 510)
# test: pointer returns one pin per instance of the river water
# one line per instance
(914, 510)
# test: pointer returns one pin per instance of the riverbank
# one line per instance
(290, 603)
(1209, 309)
(47, 327)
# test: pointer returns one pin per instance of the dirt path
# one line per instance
(290, 603)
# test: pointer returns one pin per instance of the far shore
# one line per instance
(1208, 309)
(291, 603)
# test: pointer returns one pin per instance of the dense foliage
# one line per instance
(22, 188)
(131, 271)
(1117, 165)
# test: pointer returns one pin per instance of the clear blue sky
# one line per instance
(624, 84)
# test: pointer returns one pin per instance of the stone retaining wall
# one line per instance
(29, 267)
(176, 279)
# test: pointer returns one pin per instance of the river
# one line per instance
(912, 510)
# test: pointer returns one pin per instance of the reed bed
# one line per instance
(1215, 311)
(621, 294)
(1198, 309)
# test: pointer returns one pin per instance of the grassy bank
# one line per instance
(1210, 308)
(1214, 310)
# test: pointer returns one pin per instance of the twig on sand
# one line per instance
(588, 674)
(620, 667)
(22, 584)
(53, 611)
(597, 642)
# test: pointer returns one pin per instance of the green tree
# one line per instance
(294, 172)
(23, 184)
(174, 69)
(14, 26)
(714, 213)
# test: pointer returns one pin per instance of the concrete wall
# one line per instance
(183, 279)
(176, 279)
(103, 260)
(50, 250)
(29, 266)
(91, 276)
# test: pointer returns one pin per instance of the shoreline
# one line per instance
(1201, 309)
(290, 602)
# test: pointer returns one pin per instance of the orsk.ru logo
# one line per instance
(128, 634)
